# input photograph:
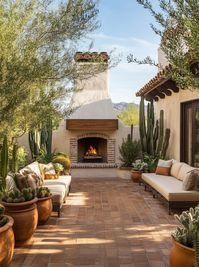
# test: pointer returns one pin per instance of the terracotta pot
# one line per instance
(136, 176)
(182, 256)
(44, 207)
(25, 217)
(7, 242)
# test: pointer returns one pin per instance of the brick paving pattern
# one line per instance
(105, 222)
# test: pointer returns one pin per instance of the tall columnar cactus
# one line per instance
(154, 140)
(4, 162)
(34, 142)
(49, 137)
(14, 165)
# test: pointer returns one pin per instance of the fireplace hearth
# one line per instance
(92, 150)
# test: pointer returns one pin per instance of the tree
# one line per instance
(38, 42)
(178, 22)
(130, 115)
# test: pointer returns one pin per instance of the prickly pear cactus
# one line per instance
(43, 192)
(189, 224)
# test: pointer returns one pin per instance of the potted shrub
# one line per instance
(129, 151)
(139, 167)
(6, 238)
(183, 252)
(64, 160)
(21, 206)
(44, 204)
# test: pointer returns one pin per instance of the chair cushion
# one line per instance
(175, 168)
(169, 187)
(57, 189)
(185, 168)
(10, 182)
(33, 168)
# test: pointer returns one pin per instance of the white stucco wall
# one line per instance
(171, 107)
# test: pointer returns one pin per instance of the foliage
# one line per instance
(22, 157)
(139, 165)
(63, 160)
(3, 219)
(152, 162)
(43, 157)
(58, 167)
(42, 192)
(130, 115)
(154, 139)
(37, 69)
(179, 32)
(129, 151)
(16, 196)
(189, 225)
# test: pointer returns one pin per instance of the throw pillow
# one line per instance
(49, 176)
(38, 180)
(191, 181)
(49, 169)
(21, 181)
(163, 167)
(10, 182)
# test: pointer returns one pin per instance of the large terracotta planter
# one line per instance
(44, 207)
(136, 176)
(6, 243)
(25, 217)
(182, 256)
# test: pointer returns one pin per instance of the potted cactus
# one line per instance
(44, 204)
(185, 250)
(21, 206)
(59, 168)
(6, 238)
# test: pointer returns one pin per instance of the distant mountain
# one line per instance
(120, 106)
(123, 105)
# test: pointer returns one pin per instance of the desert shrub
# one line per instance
(63, 160)
(129, 151)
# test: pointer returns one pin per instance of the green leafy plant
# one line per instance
(129, 151)
(44, 157)
(152, 161)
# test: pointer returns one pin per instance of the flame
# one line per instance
(91, 151)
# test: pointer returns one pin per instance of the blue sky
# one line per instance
(125, 26)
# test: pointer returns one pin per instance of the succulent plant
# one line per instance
(189, 221)
(64, 160)
(58, 167)
(43, 192)
(3, 219)
(16, 196)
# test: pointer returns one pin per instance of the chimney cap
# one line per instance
(91, 57)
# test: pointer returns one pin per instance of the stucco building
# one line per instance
(181, 109)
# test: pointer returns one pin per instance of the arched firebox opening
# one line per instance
(92, 149)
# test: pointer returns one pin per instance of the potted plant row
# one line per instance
(185, 250)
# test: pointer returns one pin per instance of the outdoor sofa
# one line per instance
(59, 188)
(179, 190)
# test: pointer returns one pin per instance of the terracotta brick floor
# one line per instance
(105, 222)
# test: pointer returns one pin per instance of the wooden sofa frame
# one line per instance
(171, 205)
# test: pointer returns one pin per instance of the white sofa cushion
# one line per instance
(169, 187)
(175, 168)
(184, 170)
(34, 167)
(58, 189)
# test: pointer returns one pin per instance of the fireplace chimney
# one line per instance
(95, 87)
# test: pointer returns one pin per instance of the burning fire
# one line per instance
(91, 151)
